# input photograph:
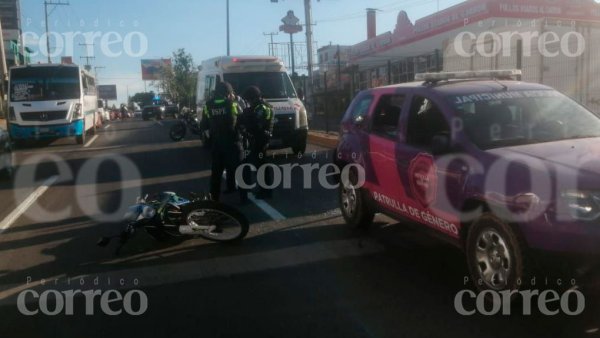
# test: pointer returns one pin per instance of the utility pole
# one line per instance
(46, 4)
(271, 46)
(3, 73)
(96, 72)
(228, 43)
(88, 65)
(292, 52)
(309, 40)
(339, 68)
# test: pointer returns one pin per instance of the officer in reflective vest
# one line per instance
(257, 124)
(221, 113)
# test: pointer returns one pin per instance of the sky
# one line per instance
(199, 26)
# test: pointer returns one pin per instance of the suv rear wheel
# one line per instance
(495, 255)
(354, 204)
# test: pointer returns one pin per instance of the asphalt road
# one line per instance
(300, 273)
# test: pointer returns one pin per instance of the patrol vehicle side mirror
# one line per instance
(359, 120)
(440, 144)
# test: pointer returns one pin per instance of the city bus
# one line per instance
(51, 101)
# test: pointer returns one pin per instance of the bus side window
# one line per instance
(91, 85)
(84, 84)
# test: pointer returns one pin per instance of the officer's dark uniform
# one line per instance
(257, 123)
(222, 113)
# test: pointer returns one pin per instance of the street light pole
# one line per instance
(309, 40)
(3, 72)
(46, 4)
(228, 45)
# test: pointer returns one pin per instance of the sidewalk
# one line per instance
(323, 139)
(318, 134)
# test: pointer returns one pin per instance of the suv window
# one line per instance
(387, 115)
(361, 108)
(425, 121)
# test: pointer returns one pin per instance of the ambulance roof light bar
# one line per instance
(467, 75)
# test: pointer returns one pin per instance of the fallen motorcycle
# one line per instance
(169, 215)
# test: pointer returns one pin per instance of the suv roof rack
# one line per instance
(433, 78)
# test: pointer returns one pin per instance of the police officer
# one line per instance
(257, 123)
(222, 113)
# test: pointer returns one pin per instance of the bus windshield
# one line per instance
(44, 84)
(273, 85)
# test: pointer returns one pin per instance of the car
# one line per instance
(505, 170)
(172, 110)
(157, 112)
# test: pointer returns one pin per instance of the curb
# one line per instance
(322, 139)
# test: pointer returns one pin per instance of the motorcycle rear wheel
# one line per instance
(230, 224)
(177, 132)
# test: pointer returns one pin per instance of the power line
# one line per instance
(271, 52)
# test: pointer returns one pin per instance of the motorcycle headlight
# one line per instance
(582, 205)
(133, 213)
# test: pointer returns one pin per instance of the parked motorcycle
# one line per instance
(187, 120)
(169, 215)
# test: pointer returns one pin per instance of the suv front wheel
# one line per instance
(495, 255)
(354, 204)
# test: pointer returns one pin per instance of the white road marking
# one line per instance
(159, 123)
(107, 126)
(19, 210)
(262, 205)
(267, 208)
(91, 141)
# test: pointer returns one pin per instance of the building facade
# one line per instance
(554, 42)
(10, 16)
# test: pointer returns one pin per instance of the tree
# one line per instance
(179, 79)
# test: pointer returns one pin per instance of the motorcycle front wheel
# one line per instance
(216, 221)
(177, 132)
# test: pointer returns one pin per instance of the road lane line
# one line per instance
(91, 141)
(159, 123)
(107, 126)
(20, 210)
(261, 204)
(267, 208)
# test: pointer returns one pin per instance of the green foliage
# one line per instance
(179, 80)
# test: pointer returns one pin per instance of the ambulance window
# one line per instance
(209, 87)
(387, 115)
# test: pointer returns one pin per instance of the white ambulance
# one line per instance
(270, 75)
